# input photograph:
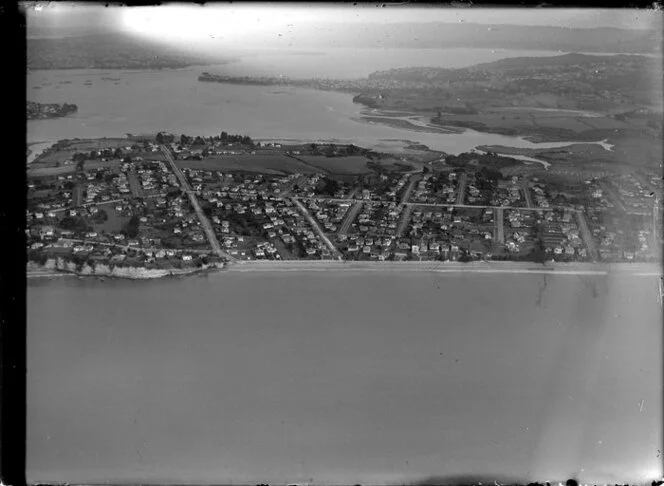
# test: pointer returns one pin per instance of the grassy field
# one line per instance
(269, 164)
(37, 170)
(354, 164)
(65, 150)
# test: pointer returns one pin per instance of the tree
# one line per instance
(465, 257)
(131, 227)
(100, 216)
(160, 138)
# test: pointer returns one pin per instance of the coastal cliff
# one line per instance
(54, 265)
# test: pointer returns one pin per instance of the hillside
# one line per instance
(438, 35)
(106, 51)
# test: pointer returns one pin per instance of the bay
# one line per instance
(344, 378)
(112, 103)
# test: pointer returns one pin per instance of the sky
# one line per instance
(187, 20)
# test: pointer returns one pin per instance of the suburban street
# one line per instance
(350, 217)
(463, 178)
(405, 218)
(139, 249)
(134, 185)
(316, 228)
(587, 236)
(500, 225)
(409, 189)
(613, 195)
(205, 223)
(526, 194)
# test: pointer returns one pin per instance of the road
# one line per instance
(405, 219)
(526, 194)
(409, 189)
(432, 205)
(353, 193)
(129, 247)
(470, 206)
(288, 187)
(587, 236)
(350, 217)
(77, 194)
(613, 194)
(499, 221)
(134, 185)
(462, 188)
(205, 223)
(316, 228)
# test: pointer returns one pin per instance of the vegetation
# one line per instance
(74, 223)
(132, 226)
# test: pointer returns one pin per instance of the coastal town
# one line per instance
(182, 204)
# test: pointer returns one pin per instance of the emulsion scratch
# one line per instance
(540, 293)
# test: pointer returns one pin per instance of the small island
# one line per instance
(41, 111)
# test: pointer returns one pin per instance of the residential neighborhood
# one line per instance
(137, 205)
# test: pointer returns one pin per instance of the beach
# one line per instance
(505, 267)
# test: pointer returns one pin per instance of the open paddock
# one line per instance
(41, 171)
(266, 164)
(353, 164)
(96, 144)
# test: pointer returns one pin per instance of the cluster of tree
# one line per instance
(486, 178)
(332, 150)
(163, 137)
(131, 227)
(227, 138)
(37, 256)
(100, 216)
(74, 223)
(328, 187)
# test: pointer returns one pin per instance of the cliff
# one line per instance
(103, 270)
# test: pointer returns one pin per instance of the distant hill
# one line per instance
(445, 35)
(107, 51)
(640, 67)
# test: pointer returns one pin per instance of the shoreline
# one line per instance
(637, 269)
(634, 269)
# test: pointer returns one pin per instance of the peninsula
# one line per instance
(151, 206)
(40, 111)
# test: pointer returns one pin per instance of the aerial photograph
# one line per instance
(343, 244)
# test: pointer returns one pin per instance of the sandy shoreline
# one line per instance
(634, 269)
(637, 269)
